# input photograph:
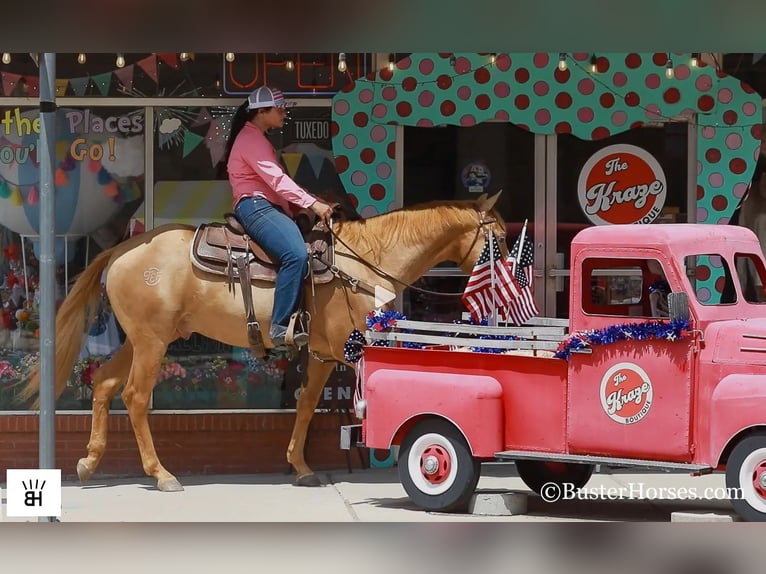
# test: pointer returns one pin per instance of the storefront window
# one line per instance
(99, 188)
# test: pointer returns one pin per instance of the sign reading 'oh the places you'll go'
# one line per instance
(621, 184)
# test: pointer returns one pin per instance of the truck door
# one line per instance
(630, 395)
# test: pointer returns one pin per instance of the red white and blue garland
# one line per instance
(377, 320)
(646, 331)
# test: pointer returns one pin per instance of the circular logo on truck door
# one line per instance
(621, 184)
(626, 393)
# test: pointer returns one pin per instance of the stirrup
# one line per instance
(297, 335)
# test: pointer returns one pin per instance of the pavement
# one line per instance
(376, 495)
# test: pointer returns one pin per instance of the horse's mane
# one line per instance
(405, 226)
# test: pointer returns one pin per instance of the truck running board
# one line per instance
(605, 460)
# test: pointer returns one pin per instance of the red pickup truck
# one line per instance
(661, 365)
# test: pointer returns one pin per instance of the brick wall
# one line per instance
(187, 443)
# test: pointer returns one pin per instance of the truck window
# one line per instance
(752, 276)
(710, 278)
(625, 287)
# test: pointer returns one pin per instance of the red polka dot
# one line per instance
(353, 199)
(522, 75)
(409, 84)
(482, 101)
(755, 131)
(602, 64)
(386, 74)
(360, 119)
(503, 62)
(447, 108)
(523, 126)
(720, 203)
(748, 89)
(502, 90)
(563, 100)
(377, 191)
(334, 129)
(391, 150)
(404, 109)
(702, 272)
(462, 65)
(705, 103)
(671, 95)
(713, 155)
(600, 133)
(633, 61)
(720, 284)
(660, 58)
(341, 163)
(720, 74)
(562, 77)
(632, 99)
(444, 81)
(563, 128)
(481, 76)
(502, 115)
(636, 125)
(730, 117)
(367, 155)
(737, 165)
(445, 55)
(540, 59)
(606, 100)
(522, 101)
(700, 192)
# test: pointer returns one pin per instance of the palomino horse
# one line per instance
(158, 296)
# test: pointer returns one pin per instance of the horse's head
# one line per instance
(488, 220)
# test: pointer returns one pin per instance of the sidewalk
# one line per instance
(373, 495)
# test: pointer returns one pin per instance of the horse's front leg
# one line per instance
(316, 378)
(106, 381)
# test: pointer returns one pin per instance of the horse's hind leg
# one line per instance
(316, 378)
(147, 357)
(107, 379)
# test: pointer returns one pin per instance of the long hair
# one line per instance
(241, 117)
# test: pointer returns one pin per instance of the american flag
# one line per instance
(481, 297)
(522, 308)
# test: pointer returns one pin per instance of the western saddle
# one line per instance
(226, 249)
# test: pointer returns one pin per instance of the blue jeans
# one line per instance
(280, 237)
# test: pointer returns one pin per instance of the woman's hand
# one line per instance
(323, 211)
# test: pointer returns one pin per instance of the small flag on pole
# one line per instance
(491, 286)
(522, 308)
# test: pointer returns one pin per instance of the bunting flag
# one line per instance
(191, 141)
(33, 198)
(217, 151)
(10, 81)
(149, 65)
(125, 75)
(103, 83)
(202, 118)
(61, 87)
(80, 85)
(34, 85)
(16, 199)
(171, 59)
(5, 190)
(316, 161)
(292, 161)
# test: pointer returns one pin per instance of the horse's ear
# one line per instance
(487, 203)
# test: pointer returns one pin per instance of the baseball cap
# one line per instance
(265, 97)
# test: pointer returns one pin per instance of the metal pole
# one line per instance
(47, 266)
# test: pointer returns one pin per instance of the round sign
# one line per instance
(626, 393)
(621, 184)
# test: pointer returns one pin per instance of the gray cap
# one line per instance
(265, 97)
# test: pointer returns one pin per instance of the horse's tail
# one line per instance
(75, 315)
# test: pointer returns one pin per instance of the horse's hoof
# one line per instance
(83, 472)
(169, 485)
(308, 480)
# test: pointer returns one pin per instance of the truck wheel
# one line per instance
(436, 467)
(746, 471)
(537, 473)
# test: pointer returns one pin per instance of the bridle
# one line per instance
(484, 220)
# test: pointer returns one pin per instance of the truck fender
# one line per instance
(737, 404)
(396, 398)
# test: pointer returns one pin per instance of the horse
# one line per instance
(157, 296)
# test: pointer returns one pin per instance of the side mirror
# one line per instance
(678, 306)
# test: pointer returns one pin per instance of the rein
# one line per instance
(378, 271)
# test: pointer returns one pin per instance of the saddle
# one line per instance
(226, 249)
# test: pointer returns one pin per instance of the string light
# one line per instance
(289, 65)
(6, 58)
(342, 67)
(669, 72)
(81, 58)
(391, 63)
(492, 58)
(695, 61)
(184, 56)
(120, 61)
(563, 61)
(230, 56)
(593, 67)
